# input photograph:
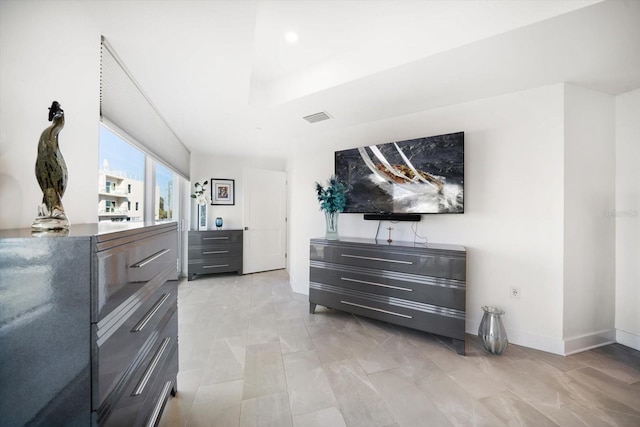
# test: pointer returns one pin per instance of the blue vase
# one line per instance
(219, 222)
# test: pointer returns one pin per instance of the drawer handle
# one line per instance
(377, 259)
(377, 284)
(150, 259)
(216, 238)
(143, 322)
(377, 309)
(214, 252)
(152, 366)
(215, 266)
(155, 414)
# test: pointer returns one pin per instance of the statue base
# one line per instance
(57, 221)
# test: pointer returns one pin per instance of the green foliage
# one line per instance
(332, 198)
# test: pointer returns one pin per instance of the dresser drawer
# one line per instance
(156, 364)
(146, 409)
(401, 260)
(163, 386)
(421, 316)
(120, 341)
(215, 251)
(215, 265)
(123, 269)
(440, 292)
(215, 237)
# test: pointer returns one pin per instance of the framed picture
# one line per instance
(223, 191)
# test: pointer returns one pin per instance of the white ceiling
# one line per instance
(225, 80)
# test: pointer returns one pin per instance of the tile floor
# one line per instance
(252, 355)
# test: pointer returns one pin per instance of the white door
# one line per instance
(264, 219)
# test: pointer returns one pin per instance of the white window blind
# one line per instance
(124, 105)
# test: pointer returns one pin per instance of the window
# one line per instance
(121, 166)
(166, 184)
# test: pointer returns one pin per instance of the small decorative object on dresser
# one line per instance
(215, 251)
(219, 223)
(202, 217)
(331, 220)
(52, 175)
(418, 286)
(332, 201)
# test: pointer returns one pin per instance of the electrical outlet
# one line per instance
(515, 292)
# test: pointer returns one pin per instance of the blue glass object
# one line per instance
(219, 222)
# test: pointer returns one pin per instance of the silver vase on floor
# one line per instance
(491, 331)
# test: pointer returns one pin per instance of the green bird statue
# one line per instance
(52, 175)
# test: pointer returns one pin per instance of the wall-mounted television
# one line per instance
(416, 176)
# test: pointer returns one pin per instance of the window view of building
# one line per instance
(165, 197)
(121, 179)
(121, 184)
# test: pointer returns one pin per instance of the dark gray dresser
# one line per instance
(418, 286)
(88, 325)
(215, 251)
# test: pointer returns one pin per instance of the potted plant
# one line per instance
(199, 193)
(332, 201)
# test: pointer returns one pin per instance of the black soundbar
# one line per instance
(392, 217)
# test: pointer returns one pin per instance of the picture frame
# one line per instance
(223, 191)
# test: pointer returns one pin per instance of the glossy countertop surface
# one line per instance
(394, 243)
(84, 230)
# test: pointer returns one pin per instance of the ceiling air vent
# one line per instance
(317, 117)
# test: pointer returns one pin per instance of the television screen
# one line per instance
(423, 175)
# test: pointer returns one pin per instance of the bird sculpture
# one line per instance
(51, 173)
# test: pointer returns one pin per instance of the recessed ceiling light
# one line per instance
(291, 37)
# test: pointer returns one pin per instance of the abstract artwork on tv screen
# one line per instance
(423, 175)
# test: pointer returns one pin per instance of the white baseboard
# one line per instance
(567, 346)
(588, 341)
(628, 339)
(542, 343)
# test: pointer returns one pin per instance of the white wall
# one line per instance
(513, 221)
(627, 217)
(48, 53)
(589, 234)
(206, 166)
